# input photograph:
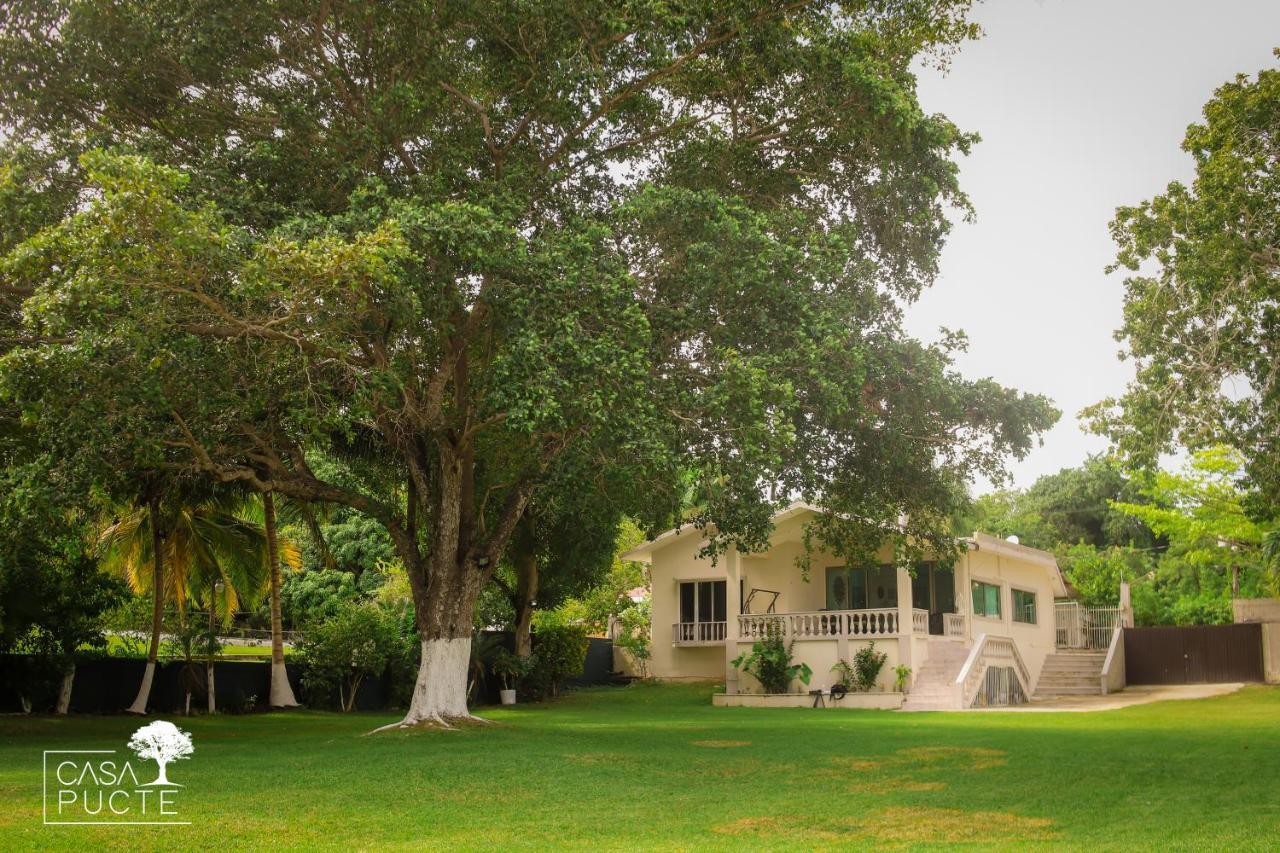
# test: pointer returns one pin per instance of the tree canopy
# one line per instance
(476, 237)
(1202, 303)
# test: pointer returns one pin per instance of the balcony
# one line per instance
(699, 633)
(814, 625)
(830, 624)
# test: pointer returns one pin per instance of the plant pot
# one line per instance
(508, 697)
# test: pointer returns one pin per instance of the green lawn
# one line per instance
(659, 767)
(117, 646)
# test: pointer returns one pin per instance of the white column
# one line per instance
(1126, 606)
(905, 621)
(733, 606)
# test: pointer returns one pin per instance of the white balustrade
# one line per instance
(953, 625)
(820, 624)
(694, 633)
(919, 621)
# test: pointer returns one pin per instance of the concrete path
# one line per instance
(1135, 695)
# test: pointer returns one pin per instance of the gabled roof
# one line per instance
(996, 545)
(643, 553)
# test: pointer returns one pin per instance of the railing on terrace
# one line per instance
(820, 624)
(919, 621)
(953, 625)
(1080, 627)
(695, 633)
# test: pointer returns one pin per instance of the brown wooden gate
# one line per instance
(1193, 654)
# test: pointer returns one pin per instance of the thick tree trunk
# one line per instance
(208, 663)
(446, 586)
(139, 705)
(281, 692)
(64, 695)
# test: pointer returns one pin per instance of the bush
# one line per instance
(559, 652)
(867, 663)
(633, 635)
(340, 652)
(769, 662)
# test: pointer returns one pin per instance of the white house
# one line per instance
(979, 629)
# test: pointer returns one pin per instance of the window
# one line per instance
(986, 600)
(1024, 606)
(862, 587)
(702, 601)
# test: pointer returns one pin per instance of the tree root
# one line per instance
(430, 722)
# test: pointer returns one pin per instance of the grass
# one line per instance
(120, 647)
(658, 767)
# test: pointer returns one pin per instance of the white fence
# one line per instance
(694, 633)
(1081, 627)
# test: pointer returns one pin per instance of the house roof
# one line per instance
(643, 553)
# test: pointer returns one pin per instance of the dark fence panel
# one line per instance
(598, 667)
(106, 685)
(1193, 654)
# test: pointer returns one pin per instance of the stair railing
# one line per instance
(989, 650)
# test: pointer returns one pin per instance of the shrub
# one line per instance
(769, 661)
(633, 636)
(559, 651)
(340, 652)
(867, 663)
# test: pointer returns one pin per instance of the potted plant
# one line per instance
(846, 677)
(901, 673)
(509, 669)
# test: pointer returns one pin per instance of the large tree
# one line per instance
(477, 236)
(1202, 303)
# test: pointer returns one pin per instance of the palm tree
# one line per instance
(205, 545)
(281, 693)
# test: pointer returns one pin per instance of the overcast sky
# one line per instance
(1081, 105)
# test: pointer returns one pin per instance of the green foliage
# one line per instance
(867, 663)
(1096, 573)
(678, 237)
(559, 652)
(1074, 506)
(901, 673)
(634, 632)
(357, 641)
(610, 596)
(769, 662)
(509, 668)
(313, 595)
(1202, 294)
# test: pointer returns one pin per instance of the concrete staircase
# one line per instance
(933, 687)
(1071, 674)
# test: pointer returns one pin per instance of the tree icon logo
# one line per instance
(161, 742)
